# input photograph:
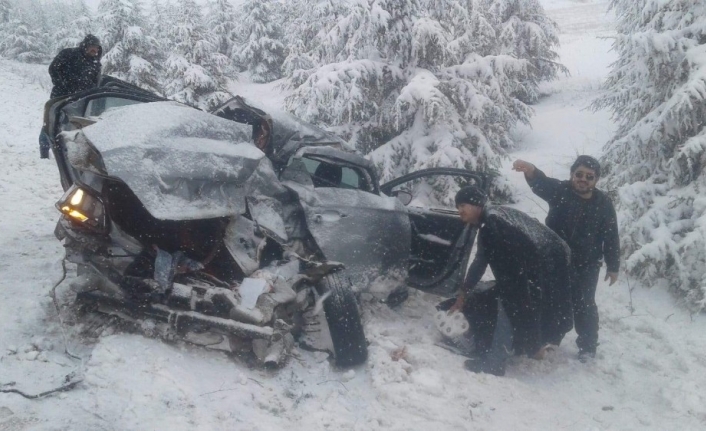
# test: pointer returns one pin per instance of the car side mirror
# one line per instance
(403, 195)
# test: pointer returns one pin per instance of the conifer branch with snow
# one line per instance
(657, 93)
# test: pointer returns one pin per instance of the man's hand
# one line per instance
(613, 276)
(525, 167)
(458, 305)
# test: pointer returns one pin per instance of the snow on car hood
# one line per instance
(180, 162)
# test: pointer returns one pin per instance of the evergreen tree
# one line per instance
(129, 52)
(656, 160)
(25, 36)
(263, 52)
(525, 31)
(74, 26)
(5, 8)
(221, 22)
(194, 70)
(416, 84)
(23, 43)
(305, 27)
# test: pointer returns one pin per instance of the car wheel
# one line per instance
(343, 318)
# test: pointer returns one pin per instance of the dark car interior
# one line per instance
(326, 173)
(441, 243)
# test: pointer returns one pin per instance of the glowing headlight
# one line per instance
(79, 205)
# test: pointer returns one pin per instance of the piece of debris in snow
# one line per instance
(251, 289)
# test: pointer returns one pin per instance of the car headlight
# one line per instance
(83, 207)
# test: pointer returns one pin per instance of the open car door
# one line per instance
(347, 216)
(440, 242)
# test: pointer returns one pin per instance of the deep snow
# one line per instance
(649, 374)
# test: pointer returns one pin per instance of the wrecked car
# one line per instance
(236, 229)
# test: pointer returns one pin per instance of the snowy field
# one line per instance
(650, 372)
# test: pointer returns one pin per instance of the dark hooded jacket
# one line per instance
(531, 266)
(589, 226)
(73, 71)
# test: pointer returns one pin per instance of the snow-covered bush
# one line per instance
(656, 160)
(416, 84)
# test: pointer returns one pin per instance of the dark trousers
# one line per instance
(491, 331)
(520, 302)
(583, 285)
(44, 145)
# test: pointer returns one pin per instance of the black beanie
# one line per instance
(90, 40)
(471, 195)
(588, 162)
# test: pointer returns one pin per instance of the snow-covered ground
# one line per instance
(649, 374)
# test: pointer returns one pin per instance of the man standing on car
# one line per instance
(73, 70)
(584, 217)
(531, 268)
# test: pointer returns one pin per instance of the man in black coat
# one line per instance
(73, 70)
(584, 217)
(76, 69)
(531, 268)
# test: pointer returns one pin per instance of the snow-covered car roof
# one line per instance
(182, 163)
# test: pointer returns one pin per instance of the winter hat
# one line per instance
(471, 195)
(588, 162)
(90, 40)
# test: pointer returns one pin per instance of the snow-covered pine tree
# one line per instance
(160, 17)
(656, 160)
(525, 31)
(23, 43)
(24, 36)
(221, 23)
(77, 23)
(306, 24)
(194, 70)
(5, 8)
(129, 51)
(262, 52)
(416, 85)
(354, 80)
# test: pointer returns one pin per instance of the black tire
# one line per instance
(343, 318)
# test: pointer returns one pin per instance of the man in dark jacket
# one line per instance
(584, 217)
(76, 69)
(73, 70)
(531, 268)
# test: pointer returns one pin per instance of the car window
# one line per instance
(324, 174)
(434, 191)
(96, 107)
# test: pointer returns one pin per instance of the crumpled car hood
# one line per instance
(180, 162)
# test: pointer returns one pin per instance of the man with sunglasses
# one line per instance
(584, 217)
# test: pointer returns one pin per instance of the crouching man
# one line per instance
(531, 267)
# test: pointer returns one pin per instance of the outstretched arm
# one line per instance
(543, 186)
(526, 168)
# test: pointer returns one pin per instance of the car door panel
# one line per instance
(367, 232)
(440, 242)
